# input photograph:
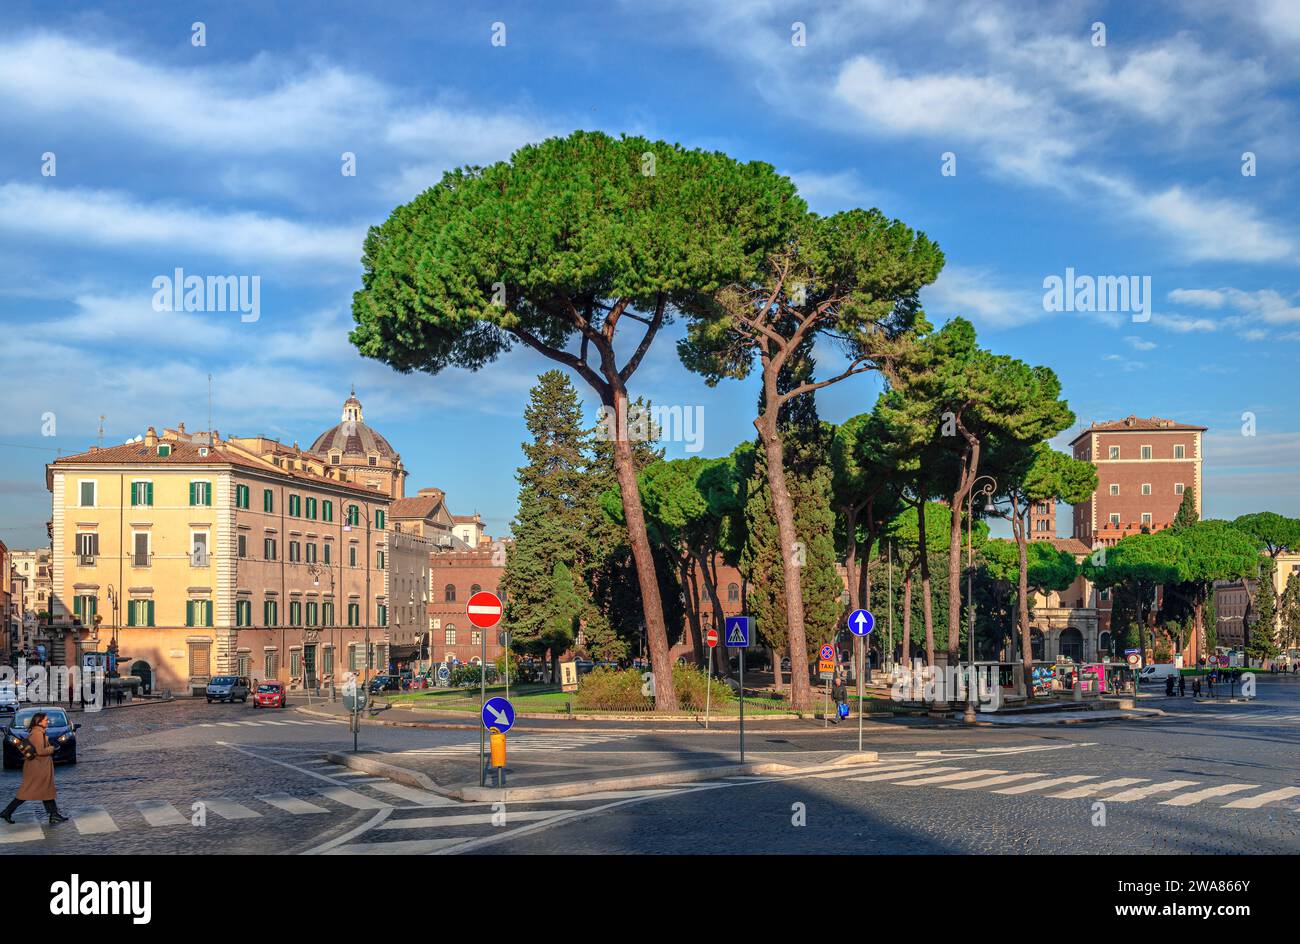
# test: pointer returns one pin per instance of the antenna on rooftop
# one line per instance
(101, 430)
(210, 410)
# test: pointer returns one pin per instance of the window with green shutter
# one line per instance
(313, 613)
(268, 500)
(354, 614)
(139, 613)
(379, 520)
(327, 614)
(354, 515)
(382, 614)
(141, 494)
(270, 614)
(327, 511)
(311, 508)
(295, 506)
(200, 493)
(379, 560)
(295, 613)
(241, 496)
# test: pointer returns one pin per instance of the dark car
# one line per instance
(386, 683)
(60, 731)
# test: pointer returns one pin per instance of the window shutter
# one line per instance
(207, 612)
(135, 495)
(76, 606)
(193, 493)
(189, 612)
(130, 612)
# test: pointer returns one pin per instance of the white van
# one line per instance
(1158, 672)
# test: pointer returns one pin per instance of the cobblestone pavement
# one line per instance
(189, 777)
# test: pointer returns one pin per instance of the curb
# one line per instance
(474, 793)
(877, 728)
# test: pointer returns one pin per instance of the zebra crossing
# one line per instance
(269, 722)
(355, 792)
(939, 773)
(1260, 716)
(529, 742)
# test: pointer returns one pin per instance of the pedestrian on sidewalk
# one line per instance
(38, 773)
(1182, 685)
(1196, 687)
(1169, 686)
(840, 694)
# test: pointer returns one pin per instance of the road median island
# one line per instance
(565, 784)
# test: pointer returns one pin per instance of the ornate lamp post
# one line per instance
(987, 490)
(316, 570)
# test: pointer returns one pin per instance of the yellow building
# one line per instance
(202, 556)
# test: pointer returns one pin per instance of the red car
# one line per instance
(270, 695)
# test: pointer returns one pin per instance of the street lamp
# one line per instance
(987, 490)
(347, 528)
(316, 570)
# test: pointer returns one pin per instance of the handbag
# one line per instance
(27, 749)
(843, 709)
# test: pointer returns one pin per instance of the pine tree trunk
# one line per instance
(970, 467)
(1022, 604)
(652, 608)
(691, 590)
(710, 570)
(776, 667)
(907, 623)
(851, 556)
(800, 687)
(926, 606)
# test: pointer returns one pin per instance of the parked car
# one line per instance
(270, 695)
(228, 688)
(9, 697)
(386, 683)
(61, 732)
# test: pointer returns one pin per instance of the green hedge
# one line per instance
(621, 690)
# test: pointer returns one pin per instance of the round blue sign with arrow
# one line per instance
(498, 713)
(861, 622)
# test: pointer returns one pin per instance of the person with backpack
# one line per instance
(38, 773)
(840, 694)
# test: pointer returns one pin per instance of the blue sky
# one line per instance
(1122, 159)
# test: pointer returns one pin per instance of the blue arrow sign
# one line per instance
(861, 622)
(498, 713)
(737, 632)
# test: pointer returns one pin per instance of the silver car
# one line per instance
(228, 688)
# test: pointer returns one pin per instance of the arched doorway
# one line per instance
(144, 671)
(1103, 645)
(1071, 644)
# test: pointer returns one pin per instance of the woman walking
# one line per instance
(38, 773)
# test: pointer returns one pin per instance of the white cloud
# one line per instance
(113, 219)
(1199, 297)
(1183, 324)
(1141, 344)
(1211, 229)
(979, 295)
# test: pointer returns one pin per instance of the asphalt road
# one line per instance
(188, 777)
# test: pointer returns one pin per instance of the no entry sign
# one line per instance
(484, 609)
(711, 637)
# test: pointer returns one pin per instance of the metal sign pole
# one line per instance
(742, 705)
(482, 690)
(860, 648)
(708, 688)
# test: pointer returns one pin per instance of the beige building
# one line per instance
(202, 556)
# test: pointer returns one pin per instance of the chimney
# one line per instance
(180, 429)
(151, 437)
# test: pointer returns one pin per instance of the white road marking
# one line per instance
(874, 768)
(1091, 789)
(945, 778)
(899, 774)
(92, 820)
(160, 813)
(1255, 802)
(291, 804)
(1141, 793)
(400, 847)
(1044, 784)
(357, 801)
(468, 819)
(990, 782)
(229, 809)
(1191, 799)
(414, 794)
(22, 831)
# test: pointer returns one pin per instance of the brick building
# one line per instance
(455, 574)
(1143, 468)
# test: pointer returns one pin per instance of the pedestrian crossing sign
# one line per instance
(738, 632)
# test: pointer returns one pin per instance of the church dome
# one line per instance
(352, 437)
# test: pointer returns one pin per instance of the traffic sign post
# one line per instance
(484, 611)
(737, 629)
(861, 623)
(711, 639)
(498, 717)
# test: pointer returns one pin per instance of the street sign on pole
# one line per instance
(498, 713)
(711, 638)
(861, 622)
(738, 632)
(484, 609)
(828, 653)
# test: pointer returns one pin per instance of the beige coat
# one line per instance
(38, 773)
